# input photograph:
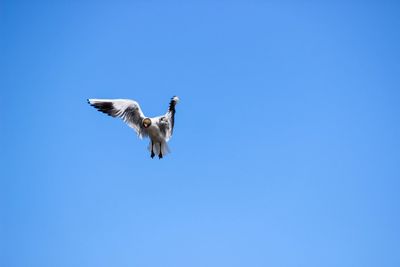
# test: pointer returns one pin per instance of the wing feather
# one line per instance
(128, 110)
(166, 122)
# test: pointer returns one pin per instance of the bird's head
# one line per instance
(146, 123)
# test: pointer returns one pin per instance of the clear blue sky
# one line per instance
(287, 141)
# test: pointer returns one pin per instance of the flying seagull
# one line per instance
(158, 129)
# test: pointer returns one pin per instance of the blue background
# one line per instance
(286, 149)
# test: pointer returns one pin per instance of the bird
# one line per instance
(158, 129)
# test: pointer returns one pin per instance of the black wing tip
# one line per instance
(93, 105)
(104, 107)
(173, 102)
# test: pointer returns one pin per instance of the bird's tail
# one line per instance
(157, 147)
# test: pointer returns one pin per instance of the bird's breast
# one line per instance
(154, 132)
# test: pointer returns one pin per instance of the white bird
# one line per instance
(158, 129)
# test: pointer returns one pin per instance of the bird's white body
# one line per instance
(158, 129)
(154, 132)
(156, 137)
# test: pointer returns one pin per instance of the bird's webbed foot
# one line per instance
(160, 154)
(152, 151)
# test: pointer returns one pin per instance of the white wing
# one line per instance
(128, 110)
(166, 122)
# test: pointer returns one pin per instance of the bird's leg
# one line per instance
(160, 154)
(152, 151)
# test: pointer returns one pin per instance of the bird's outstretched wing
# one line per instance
(128, 110)
(166, 122)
